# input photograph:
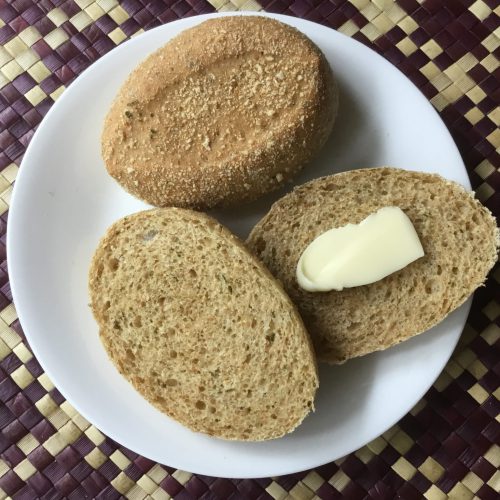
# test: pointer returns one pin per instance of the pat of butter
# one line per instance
(359, 254)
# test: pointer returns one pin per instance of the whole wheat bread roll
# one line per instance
(199, 326)
(226, 111)
(458, 234)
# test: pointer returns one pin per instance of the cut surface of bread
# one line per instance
(200, 327)
(459, 236)
(226, 111)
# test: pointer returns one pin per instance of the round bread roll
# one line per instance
(222, 114)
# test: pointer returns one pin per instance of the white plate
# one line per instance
(64, 200)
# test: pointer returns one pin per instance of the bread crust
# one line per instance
(225, 112)
(200, 327)
(459, 236)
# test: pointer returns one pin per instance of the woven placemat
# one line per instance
(447, 446)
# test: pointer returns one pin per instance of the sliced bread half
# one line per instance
(459, 236)
(200, 327)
